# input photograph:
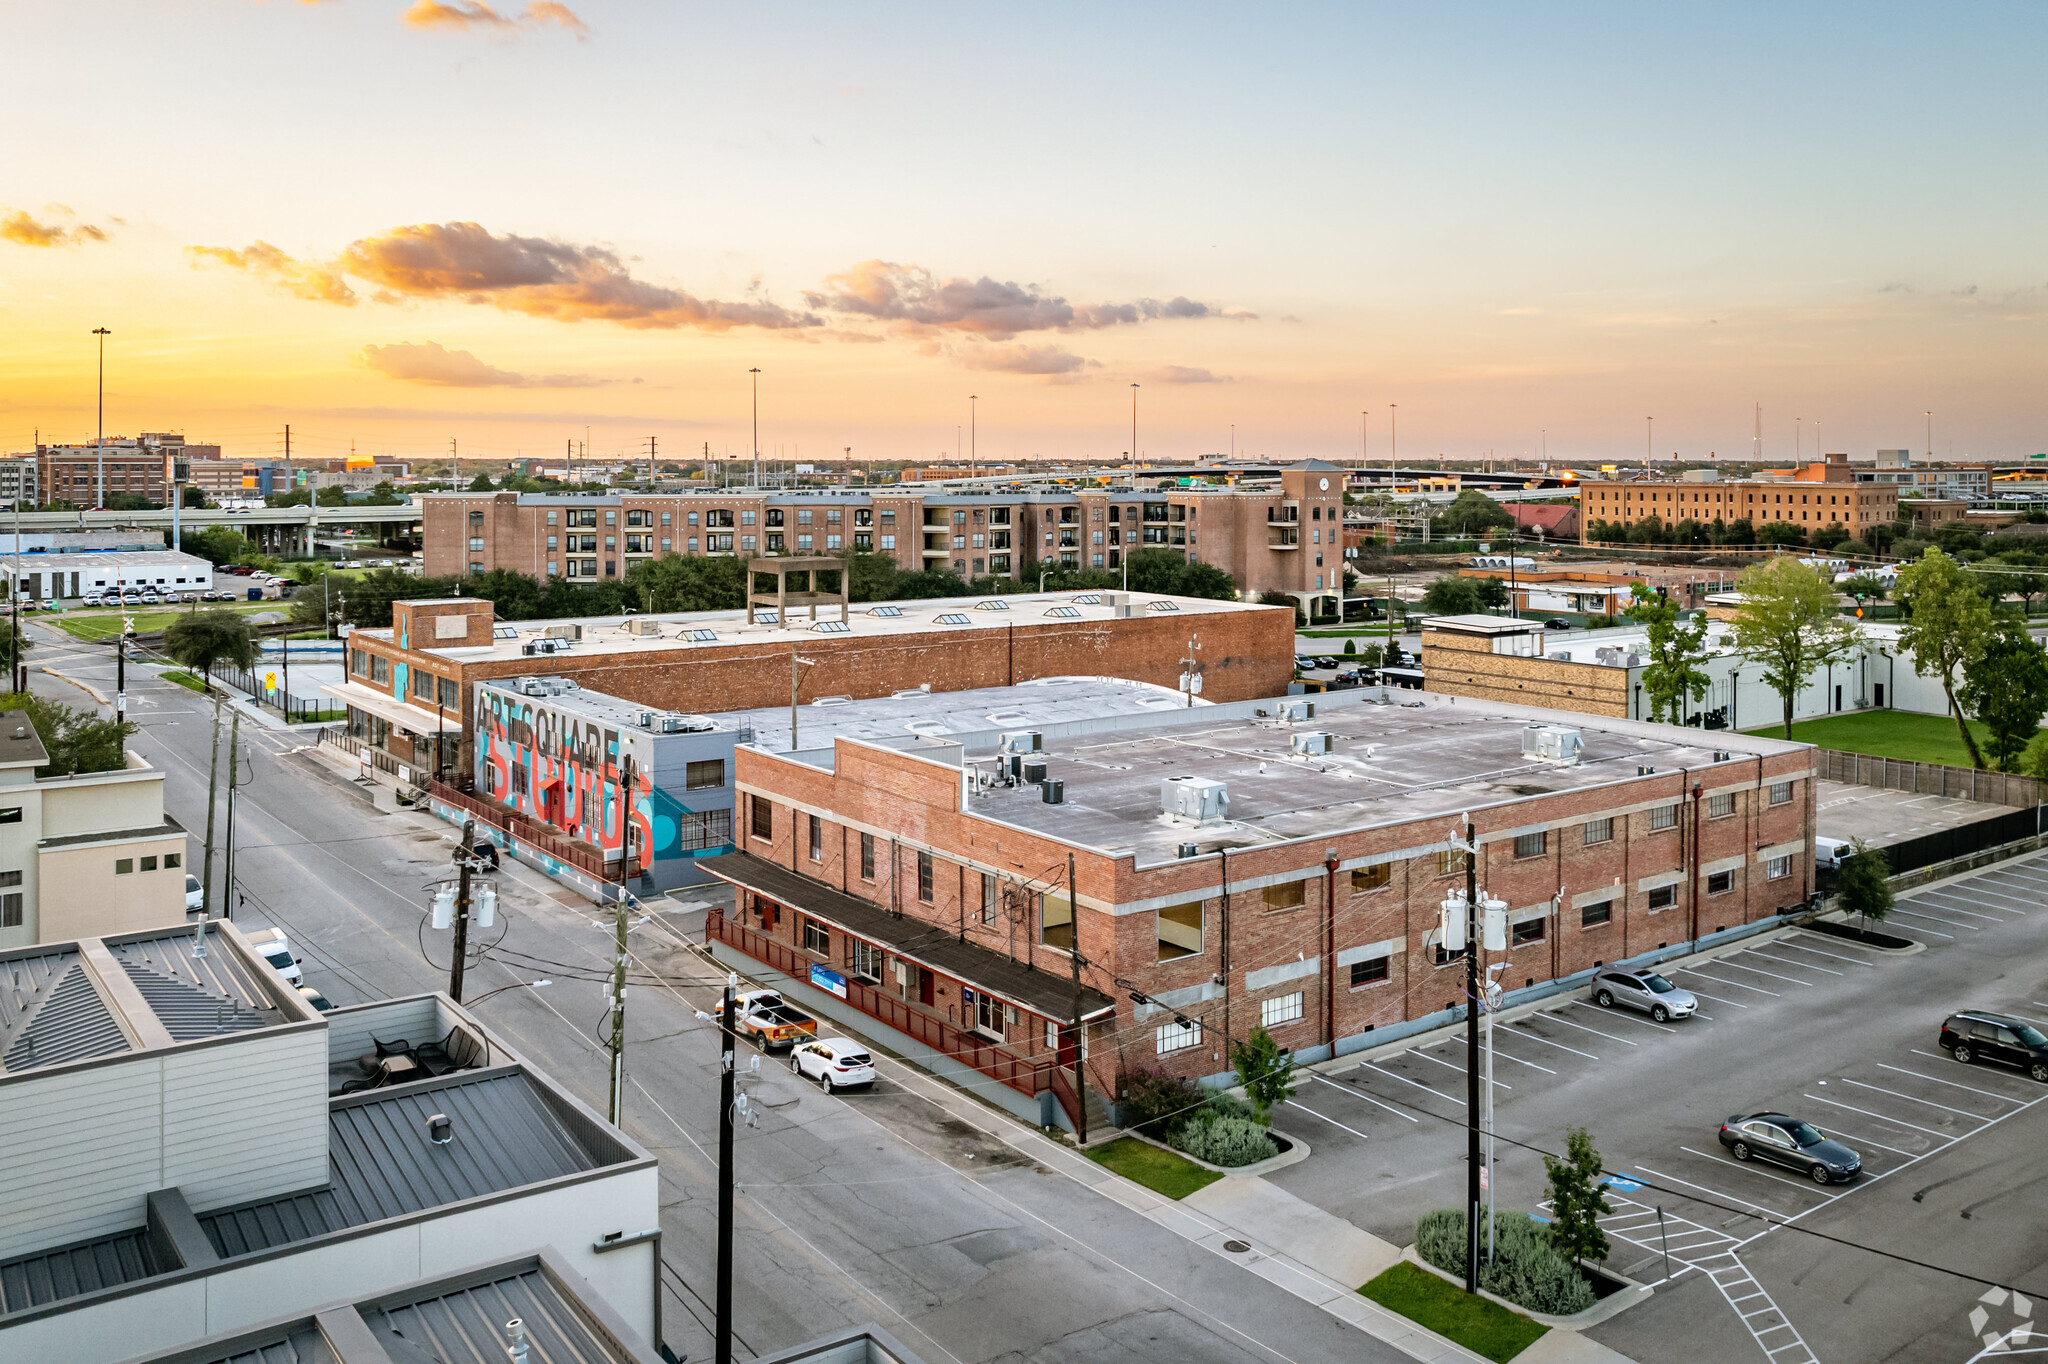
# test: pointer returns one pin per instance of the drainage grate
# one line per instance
(1237, 1247)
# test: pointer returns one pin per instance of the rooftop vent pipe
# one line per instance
(440, 1129)
(515, 1340)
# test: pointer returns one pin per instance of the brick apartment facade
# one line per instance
(1281, 535)
(1810, 497)
(839, 866)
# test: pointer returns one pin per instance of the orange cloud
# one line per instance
(464, 15)
(435, 365)
(302, 279)
(23, 230)
(1044, 361)
(917, 299)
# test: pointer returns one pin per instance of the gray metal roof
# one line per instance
(381, 1164)
(54, 1275)
(304, 1345)
(194, 996)
(51, 1013)
(468, 1324)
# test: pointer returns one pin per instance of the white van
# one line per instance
(271, 945)
(1831, 852)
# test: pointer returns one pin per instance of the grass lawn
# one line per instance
(1886, 734)
(184, 679)
(1483, 1327)
(94, 626)
(1161, 1171)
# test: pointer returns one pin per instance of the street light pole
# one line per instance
(973, 438)
(1124, 551)
(757, 425)
(1929, 414)
(100, 444)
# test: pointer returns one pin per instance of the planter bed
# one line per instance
(1292, 1151)
(1883, 942)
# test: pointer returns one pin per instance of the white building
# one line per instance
(193, 1150)
(71, 576)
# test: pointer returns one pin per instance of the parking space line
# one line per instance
(1770, 1214)
(1794, 961)
(2039, 1023)
(1774, 1178)
(1935, 1079)
(1510, 1056)
(1702, 994)
(1895, 1122)
(1866, 1141)
(1941, 904)
(1695, 971)
(1832, 942)
(1729, 960)
(1367, 1097)
(1792, 946)
(1931, 919)
(1367, 1065)
(1595, 1031)
(1460, 1069)
(1897, 1094)
(1616, 1013)
(1295, 1103)
(1534, 1036)
(2039, 1003)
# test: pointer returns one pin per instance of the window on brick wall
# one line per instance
(1376, 877)
(1287, 895)
(1527, 931)
(1449, 862)
(1531, 845)
(867, 857)
(1721, 806)
(817, 839)
(1781, 791)
(1600, 830)
(989, 890)
(1720, 882)
(1663, 897)
(864, 959)
(1180, 931)
(924, 877)
(1056, 920)
(1778, 868)
(1174, 1036)
(1593, 915)
(707, 774)
(817, 938)
(451, 695)
(1371, 971)
(763, 816)
(1285, 1009)
(1664, 817)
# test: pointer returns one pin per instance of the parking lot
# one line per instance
(1840, 1035)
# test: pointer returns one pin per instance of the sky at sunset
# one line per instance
(401, 222)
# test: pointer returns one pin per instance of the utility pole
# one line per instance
(121, 678)
(286, 639)
(617, 1039)
(462, 865)
(1074, 956)
(100, 443)
(756, 372)
(722, 1346)
(1472, 1001)
(973, 435)
(212, 788)
(1188, 666)
(227, 898)
(454, 465)
(287, 458)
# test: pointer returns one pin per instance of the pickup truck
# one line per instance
(776, 1025)
(746, 1000)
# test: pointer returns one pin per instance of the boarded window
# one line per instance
(1180, 931)
(1375, 877)
(1287, 895)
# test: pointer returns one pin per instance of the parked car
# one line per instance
(92, 599)
(1973, 1035)
(131, 599)
(1327, 661)
(834, 1062)
(1831, 852)
(271, 945)
(747, 999)
(1789, 1142)
(152, 598)
(1643, 990)
(51, 604)
(773, 1026)
(195, 894)
(1557, 623)
(314, 998)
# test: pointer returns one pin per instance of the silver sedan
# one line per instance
(1643, 990)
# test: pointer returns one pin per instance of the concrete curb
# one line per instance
(1613, 1305)
(1298, 1151)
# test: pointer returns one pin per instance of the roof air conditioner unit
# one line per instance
(1297, 710)
(1034, 771)
(645, 719)
(642, 626)
(1053, 791)
(1310, 743)
(1560, 655)
(1194, 798)
(529, 650)
(1189, 850)
(1552, 743)
(571, 631)
(1020, 741)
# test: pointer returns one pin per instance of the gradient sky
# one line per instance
(1508, 220)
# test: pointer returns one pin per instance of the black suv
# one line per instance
(1973, 1035)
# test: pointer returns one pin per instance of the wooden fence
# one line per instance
(1930, 779)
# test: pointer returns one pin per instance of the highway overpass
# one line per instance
(276, 530)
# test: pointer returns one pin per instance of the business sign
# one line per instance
(826, 979)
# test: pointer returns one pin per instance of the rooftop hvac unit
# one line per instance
(1188, 850)
(1194, 798)
(1034, 770)
(529, 649)
(571, 631)
(1609, 655)
(645, 719)
(1311, 743)
(1552, 743)
(1635, 660)
(641, 626)
(1020, 741)
(1297, 710)
(531, 686)
(687, 724)
(557, 686)
(1053, 791)
(1560, 655)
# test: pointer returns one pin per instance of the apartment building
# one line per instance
(1279, 534)
(83, 855)
(1277, 863)
(1811, 497)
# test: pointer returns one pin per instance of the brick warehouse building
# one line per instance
(417, 678)
(1811, 497)
(1306, 900)
(1273, 534)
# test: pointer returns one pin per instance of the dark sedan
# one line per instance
(1789, 1142)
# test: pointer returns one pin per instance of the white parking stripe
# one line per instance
(1733, 1163)
(1794, 961)
(1835, 1131)
(1506, 1055)
(1623, 1015)
(1935, 1079)
(1897, 1094)
(1941, 903)
(1531, 1036)
(1367, 1097)
(1367, 1065)
(1770, 1214)
(1294, 1103)
(1895, 1122)
(1595, 1031)
(1833, 942)
(1448, 1066)
(2039, 1003)
(1695, 971)
(1730, 961)
(1792, 946)
(1931, 919)
(1702, 994)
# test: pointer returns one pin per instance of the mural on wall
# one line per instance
(567, 774)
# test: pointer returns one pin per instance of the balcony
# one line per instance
(1283, 537)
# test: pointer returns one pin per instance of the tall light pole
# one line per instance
(973, 436)
(1649, 440)
(1929, 414)
(100, 445)
(1393, 438)
(757, 425)
(1134, 433)
(1364, 440)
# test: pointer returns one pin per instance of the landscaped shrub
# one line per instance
(1154, 1102)
(1229, 1142)
(1526, 1268)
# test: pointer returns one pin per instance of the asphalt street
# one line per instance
(880, 1207)
(1952, 1202)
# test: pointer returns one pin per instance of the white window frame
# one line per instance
(1167, 1038)
(1283, 1009)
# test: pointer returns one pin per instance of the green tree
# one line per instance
(1863, 886)
(1282, 599)
(131, 502)
(1472, 515)
(194, 496)
(480, 484)
(219, 545)
(689, 582)
(1265, 1071)
(383, 495)
(205, 639)
(1948, 623)
(1828, 537)
(1678, 654)
(1788, 623)
(1782, 534)
(75, 737)
(1493, 593)
(1452, 595)
(2006, 686)
(1865, 586)
(331, 495)
(1577, 1201)
(370, 596)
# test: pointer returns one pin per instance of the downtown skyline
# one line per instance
(398, 224)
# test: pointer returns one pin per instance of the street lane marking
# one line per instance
(1740, 985)
(1729, 960)
(1897, 1094)
(1771, 1175)
(1895, 1122)
(1367, 1065)
(1935, 1079)
(1448, 1066)
(1794, 961)
(1368, 1098)
(1534, 1036)
(1595, 1031)
(1617, 1013)
(1295, 1103)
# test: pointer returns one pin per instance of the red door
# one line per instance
(1067, 1048)
(925, 987)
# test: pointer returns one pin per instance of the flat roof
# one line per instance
(1028, 705)
(1419, 756)
(106, 558)
(18, 740)
(962, 615)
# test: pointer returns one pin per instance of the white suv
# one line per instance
(834, 1062)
